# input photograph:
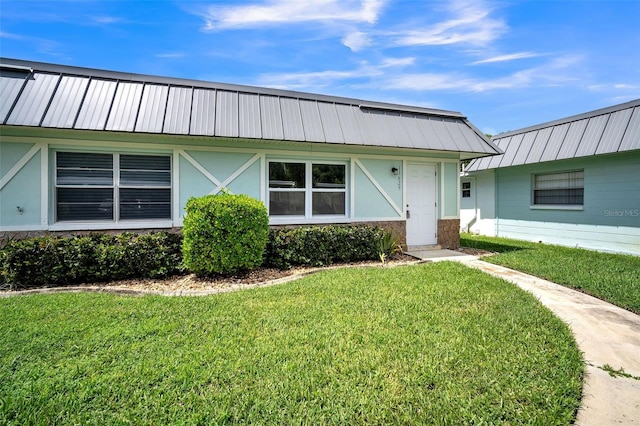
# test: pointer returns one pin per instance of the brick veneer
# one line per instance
(449, 233)
(397, 227)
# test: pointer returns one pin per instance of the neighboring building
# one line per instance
(84, 149)
(573, 182)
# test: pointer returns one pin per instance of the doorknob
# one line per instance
(408, 214)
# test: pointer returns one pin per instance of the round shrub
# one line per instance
(224, 234)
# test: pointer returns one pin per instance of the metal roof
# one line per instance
(58, 96)
(604, 131)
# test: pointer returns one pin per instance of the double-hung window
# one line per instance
(307, 189)
(559, 189)
(112, 187)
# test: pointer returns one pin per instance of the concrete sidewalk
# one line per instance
(606, 334)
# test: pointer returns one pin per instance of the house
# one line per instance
(573, 182)
(85, 149)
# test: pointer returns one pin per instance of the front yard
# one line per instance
(426, 344)
(614, 278)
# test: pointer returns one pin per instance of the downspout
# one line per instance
(474, 219)
(475, 205)
(496, 203)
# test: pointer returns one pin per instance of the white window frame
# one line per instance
(309, 190)
(115, 191)
(534, 188)
(465, 190)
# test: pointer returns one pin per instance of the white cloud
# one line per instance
(356, 40)
(389, 74)
(300, 81)
(471, 24)
(291, 11)
(171, 55)
(506, 58)
(40, 45)
(554, 73)
(4, 34)
(397, 62)
(106, 20)
(625, 86)
(429, 81)
(631, 90)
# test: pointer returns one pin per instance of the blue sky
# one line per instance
(504, 64)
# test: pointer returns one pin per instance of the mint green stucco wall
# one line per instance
(369, 202)
(450, 197)
(221, 158)
(611, 191)
(220, 165)
(23, 190)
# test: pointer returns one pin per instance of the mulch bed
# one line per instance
(193, 285)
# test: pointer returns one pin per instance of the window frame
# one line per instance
(115, 187)
(309, 190)
(465, 188)
(556, 206)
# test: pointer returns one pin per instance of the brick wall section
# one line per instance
(397, 227)
(449, 233)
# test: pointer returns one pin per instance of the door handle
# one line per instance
(408, 214)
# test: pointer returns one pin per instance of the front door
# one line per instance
(421, 204)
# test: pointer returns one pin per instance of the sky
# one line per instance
(504, 64)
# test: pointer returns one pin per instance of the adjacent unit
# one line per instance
(573, 182)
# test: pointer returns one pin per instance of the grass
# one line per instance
(614, 278)
(425, 344)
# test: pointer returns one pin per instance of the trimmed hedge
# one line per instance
(42, 261)
(224, 233)
(322, 245)
(50, 260)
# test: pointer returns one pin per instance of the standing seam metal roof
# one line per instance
(58, 96)
(604, 131)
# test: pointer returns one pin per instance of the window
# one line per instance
(560, 189)
(112, 187)
(307, 189)
(466, 189)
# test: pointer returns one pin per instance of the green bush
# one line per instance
(388, 246)
(321, 245)
(50, 260)
(224, 234)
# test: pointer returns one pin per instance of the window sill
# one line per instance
(297, 220)
(90, 226)
(556, 207)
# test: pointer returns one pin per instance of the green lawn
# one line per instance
(427, 344)
(611, 277)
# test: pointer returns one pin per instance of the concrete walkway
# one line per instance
(606, 334)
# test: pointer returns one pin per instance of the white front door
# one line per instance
(421, 204)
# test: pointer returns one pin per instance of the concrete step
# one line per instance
(424, 248)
